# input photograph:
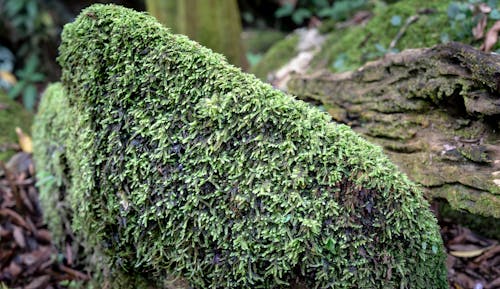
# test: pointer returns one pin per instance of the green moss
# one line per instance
(359, 44)
(276, 57)
(349, 48)
(12, 115)
(260, 40)
(181, 166)
(487, 226)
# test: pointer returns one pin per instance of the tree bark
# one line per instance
(436, 113)
(213, 23)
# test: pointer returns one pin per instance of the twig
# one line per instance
(76, 274)
(403, 29)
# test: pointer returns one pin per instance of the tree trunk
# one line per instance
(165, 11)
(435, 111)
(213, 23)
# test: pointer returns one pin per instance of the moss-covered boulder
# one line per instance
(12, 115)
(187, 173)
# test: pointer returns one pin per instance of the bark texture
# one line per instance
(436, 113)
(213, 23)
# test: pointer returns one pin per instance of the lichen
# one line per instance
(12, 115)
(181, 166)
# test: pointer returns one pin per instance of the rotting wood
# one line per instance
(435, 111)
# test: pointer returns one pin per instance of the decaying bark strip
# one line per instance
(436, 112)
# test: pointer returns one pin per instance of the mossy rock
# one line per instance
(185, 172)
(12, 115)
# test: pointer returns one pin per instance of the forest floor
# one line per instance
(29, 259)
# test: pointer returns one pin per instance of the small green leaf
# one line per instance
(284, 11)
(445, 38)
(29, 97)
(380, 48)
(37, 77)
(13, 7)
(396, 20)
(301, 15)
(495, 14)
(460, 17)
(16, 89)
(330, 245)
(32, 8)
(453, 10)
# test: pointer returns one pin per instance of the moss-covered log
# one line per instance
(436, 112)
(178, 166)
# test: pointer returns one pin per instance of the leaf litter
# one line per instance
(29, 259)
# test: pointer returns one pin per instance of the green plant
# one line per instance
(465, 15)
(178, 165)
(29, 27)
(341, 10)
(29, 76)
(304, 9)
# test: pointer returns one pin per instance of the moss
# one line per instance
(276, 57)
(182, 167)
(487, 226)
(260, 40)
(359, 44)
(12, 115)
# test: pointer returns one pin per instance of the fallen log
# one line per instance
(436, 113)
(178, 166)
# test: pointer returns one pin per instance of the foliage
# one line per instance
(305, 9)
(12, 115)
(347, 49)
(30, 26)
(28, 79)
(463, 17)
(181, 166)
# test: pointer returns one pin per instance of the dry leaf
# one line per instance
(8, 77)
(478, 30)
(469, 253)
(484, 8)
(491, 37)
(24, 141)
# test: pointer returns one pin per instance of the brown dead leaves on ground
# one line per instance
(28, 260)
(473, 261)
